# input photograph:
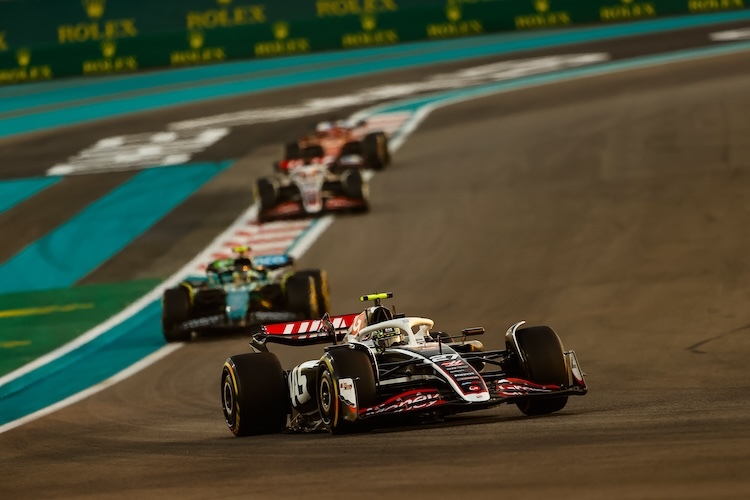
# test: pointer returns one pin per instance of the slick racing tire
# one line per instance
(338, 364)
(541, 361)
(175, 309)
(314, 151)
(254, 394)
(266, 192)
(351, 148)
(301, 296)
(320, 278)
(354, 186)
(292, 151)
(375, 151)
(353, 183)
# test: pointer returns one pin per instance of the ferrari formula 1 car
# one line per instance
(339, 143)
(380, 366)
(240, 292)
(311, 189)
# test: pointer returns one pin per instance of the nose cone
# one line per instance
(237, 304)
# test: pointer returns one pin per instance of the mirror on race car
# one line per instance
(475, 330)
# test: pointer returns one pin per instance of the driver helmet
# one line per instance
(219, 271)
(387, 337)
(243, 271)
(339, 128)
(323, 128)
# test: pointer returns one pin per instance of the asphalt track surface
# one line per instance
(613, 208)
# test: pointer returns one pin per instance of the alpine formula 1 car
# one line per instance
(240, 292)
(342, 143)
(379, 367)
(312, 188)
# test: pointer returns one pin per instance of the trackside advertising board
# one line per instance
(44, 39)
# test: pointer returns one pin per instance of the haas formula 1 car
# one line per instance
(379, 366)
(311, 188)
(240, 292)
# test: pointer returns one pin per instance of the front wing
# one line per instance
(501, 387)
(294, 209)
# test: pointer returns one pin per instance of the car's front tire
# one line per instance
(354, 186)
(338, 364)
(541, 360)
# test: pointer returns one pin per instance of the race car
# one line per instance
(237, 293)
(339, 143)
(384, 367)
(312, 188)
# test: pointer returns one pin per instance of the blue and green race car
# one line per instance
(239, 293)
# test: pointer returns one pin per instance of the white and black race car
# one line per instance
(380, 366)
(311, 188)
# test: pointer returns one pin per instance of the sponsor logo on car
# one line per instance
(347, 394)
(262, 316)
(199, 322)
(519, 387)
(413, 400)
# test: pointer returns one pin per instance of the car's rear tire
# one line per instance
(541, 361)
(175, 310)
(375, 150)
(320, 278)
(336, 365)
(301, 296)
(254, 394)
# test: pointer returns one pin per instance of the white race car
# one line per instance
(381, 366)
(310, 188)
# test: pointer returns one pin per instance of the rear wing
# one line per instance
(328, 329)
(273, 261)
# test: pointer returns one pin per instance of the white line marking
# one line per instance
(730, 35)
(133, 308)
(79, 396)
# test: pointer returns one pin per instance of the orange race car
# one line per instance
(338, 143)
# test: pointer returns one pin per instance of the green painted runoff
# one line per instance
(35, 323)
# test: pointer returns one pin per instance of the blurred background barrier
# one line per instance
(45, 39)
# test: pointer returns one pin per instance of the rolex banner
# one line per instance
(44, 39)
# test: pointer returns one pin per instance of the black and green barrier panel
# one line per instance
(44, 39)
